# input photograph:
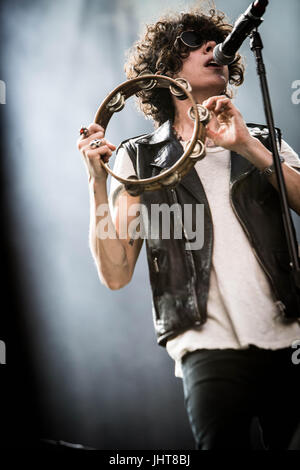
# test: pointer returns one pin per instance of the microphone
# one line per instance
(224, 53)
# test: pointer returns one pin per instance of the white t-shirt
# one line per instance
(240, 307)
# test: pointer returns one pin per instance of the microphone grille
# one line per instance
(220, 57)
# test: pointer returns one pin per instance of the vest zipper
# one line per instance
(280, 305)
(175, 199)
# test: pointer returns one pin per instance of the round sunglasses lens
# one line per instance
(191, 39)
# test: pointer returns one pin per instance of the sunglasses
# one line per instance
(194, 39)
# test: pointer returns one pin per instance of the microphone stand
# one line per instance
(256, 46)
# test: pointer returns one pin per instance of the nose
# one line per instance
(209, 46)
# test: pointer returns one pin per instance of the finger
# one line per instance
(94, 136)
(224, 109)
(105, 158)
(103, 142)
(214, 98)
(212, 102)
(222, 105)
(210, 133)
(96, 128)
(90, 130)
(111, 146)
(82, 141)
(225, 105)
(100, 151)
(97, 135)
(105, 152)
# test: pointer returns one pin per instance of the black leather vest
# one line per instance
(180, 277)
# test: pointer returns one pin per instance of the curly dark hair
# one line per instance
(159, 52)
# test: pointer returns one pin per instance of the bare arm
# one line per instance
(114, 256)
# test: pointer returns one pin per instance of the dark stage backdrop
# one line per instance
(82, 363)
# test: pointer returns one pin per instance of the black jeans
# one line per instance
(225, 389)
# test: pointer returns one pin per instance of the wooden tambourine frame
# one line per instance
(194, 149)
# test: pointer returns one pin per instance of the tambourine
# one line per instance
(194, 149)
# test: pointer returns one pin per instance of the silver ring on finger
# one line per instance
(96, 143)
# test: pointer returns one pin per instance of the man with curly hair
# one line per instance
(224, 312)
